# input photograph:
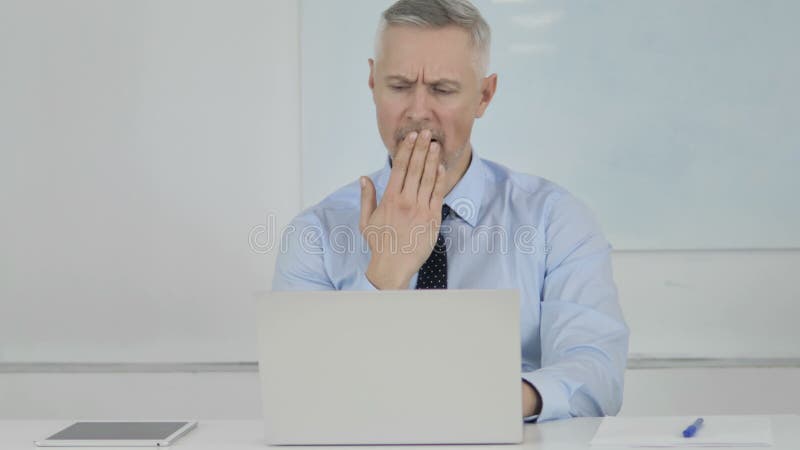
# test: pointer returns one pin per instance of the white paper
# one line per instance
(716, 431)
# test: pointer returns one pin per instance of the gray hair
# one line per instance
(439, 14)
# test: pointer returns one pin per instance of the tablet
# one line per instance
(118, 434)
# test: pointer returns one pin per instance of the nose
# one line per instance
(419, 110)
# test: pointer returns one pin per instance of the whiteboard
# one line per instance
(677, 122)
(142, 142)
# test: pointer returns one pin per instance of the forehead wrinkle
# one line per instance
(421, 68)
(438, 81)
(431, 77)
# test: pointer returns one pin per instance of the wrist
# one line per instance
(531, 400)
(385, 279)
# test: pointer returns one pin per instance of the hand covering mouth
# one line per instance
(402, 133)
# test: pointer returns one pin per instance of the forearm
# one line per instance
(582, 379)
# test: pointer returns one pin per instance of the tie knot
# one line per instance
(445, 211)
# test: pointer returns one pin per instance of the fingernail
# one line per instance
(434, 146)
(412, 136)
(427, 133)
(363, 182)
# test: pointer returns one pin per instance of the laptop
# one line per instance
(390, 367)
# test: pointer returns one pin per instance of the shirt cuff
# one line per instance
(362, 283)
(555, 399)
(531, 419)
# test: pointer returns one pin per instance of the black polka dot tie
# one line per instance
(433, 274)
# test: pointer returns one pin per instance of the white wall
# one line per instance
(150, 150)
(710, 304)
(711, 391)
(236, 395)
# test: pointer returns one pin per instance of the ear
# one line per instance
(488, 88)
(371, 74)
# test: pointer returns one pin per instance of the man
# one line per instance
(459, 221)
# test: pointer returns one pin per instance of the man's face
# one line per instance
(427, 79)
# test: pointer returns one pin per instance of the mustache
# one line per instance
(401, 133)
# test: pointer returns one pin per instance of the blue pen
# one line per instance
(692, 429)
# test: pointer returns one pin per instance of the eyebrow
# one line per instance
(439, 82)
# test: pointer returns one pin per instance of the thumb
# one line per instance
(368, 202)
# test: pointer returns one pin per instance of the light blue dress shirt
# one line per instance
(506, 230)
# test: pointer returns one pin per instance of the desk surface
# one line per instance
(248, 434)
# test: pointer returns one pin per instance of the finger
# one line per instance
(437, 198)
(416, 165)
(368, 202)
(429, 174)
(400, 164)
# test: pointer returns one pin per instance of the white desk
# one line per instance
(248, 434)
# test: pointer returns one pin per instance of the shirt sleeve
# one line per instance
(300, 264)
(583, 334)
(531, 419)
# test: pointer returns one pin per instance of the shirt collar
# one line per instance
(464, 199)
